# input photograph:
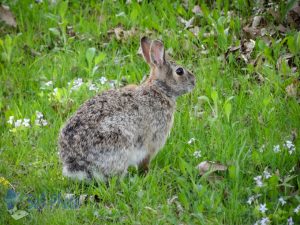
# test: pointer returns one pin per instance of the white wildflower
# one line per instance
(265, 221)
(39, 115)
(197, 154)
(262, 148)
(55, 90)
(76, 84)
(290, 221)
(18, 123)
(26, 122)
(49, 83)
(276, 148)
(40, 121)
(290, 146)
(282, 201)
(297, 209)
(112, 83)
(37, 122)
(93, 87)
(103, 80)
(263, 208)
(11, 120)
(44, 122)
(258, 180)
(192, 140)
(251, 199)
(266, 174)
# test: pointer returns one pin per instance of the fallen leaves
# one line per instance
(292, 89)
(210, 166)
(7, 17)
(246, 50)
(187, 23)
(121, 34)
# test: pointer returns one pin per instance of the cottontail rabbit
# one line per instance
(127, 126)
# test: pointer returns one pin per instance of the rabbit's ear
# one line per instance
(157, 53)
(145, 45)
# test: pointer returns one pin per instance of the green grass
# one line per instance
(227, 129)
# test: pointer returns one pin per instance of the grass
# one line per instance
(237, 116)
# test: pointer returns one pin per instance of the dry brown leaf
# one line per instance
(287, 58)
(209, 166)
(256, 21)
(251, 32)
(293, 16)
(259, 78)
(70, 31)
(249, 46)
(195, 30)
(281, 28)
(291, 90)
(187, 23)
(246, 50)
(7, 16)
(232, 49)
(122, 34)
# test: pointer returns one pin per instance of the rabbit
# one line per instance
(124, 127)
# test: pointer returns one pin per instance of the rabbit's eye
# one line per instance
(179, 71)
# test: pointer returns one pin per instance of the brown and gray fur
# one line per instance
(127, 126)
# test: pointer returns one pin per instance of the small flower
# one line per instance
(282, 201)
(251, 199)
(290, 221)
(49, 83)
(93, 87)
(276, 148)
(197, 154)
(290, 146)
(103, 80)
(262, 148)
(55, 91)
(39, 115)
(112, 83)
(76, 84)
(26, 122)
(263, 208)
(266, 174)
(18, 123)
(297, 209)
(265, 221)
(11, 120)
(44, 122)
(192, 140)
(37, 122)
(258, 180)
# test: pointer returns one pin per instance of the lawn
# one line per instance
(244, 112)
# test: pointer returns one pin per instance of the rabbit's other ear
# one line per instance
(157, 53)
(145, 46)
